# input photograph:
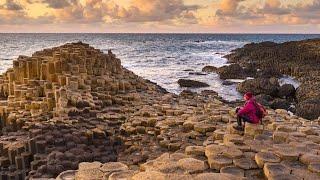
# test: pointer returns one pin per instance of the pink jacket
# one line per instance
(249, 110)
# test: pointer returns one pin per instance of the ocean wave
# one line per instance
(221, 42)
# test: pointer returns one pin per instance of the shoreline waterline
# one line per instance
(160, 58)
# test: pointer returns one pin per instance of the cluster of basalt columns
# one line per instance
(38, 89)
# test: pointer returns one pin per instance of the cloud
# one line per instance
(138, 11)
(58, 4)
(274, 7)
(270, 12)
(308, 12)
(11, 5)
(170, 14)
(92, 11)
(12, 13)
(228, 7)
(153, 11)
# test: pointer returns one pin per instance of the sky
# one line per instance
(160, 16)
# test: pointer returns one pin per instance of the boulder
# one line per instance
(269, 73)
(250, 69)
(279, 104)
(309, 109)
(260, 86)
(197, 73)
(287, 91)
(209, 93)
(233, 71)
(308, 91)
(191, 83)
(209, 69)
(187, 93)
(228, 83)
(264, 99)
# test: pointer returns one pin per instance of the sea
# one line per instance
(161, 58)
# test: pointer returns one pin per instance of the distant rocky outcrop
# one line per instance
(300, 59)
(209, 69)
(191, 83)
(260, 86)
(233, 71)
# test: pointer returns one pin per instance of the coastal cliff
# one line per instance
(74, 112)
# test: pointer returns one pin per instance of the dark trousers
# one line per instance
(243, 119)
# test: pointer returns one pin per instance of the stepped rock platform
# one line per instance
(73, 112)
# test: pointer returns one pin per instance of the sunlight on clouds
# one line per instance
(145, 15)
(37, 9)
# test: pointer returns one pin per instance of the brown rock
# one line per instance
(310, 158)
(191, 165)
(265, 157)
(220, 176)
(195, 150)
(245, 163)
(219, 161)
(274, 169)
(232, 170)
(154, 175)
(120, 175)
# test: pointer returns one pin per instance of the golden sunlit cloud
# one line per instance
(158, 15)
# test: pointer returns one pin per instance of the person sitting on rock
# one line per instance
(251, 112)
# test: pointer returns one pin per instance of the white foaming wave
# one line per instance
(5, 64)
(233, 43)
(289, 80)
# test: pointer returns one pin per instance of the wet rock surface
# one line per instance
(209, 69)
(133, 130)
(233, 71)
(191, 83)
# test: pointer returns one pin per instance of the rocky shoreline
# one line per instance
(73, 112)
(266, 62)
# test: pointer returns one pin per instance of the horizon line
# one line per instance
(244, 33)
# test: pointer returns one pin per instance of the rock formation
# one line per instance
(61, 107)
(103, 122)
(300, 59)
(209, 69)
(233, 71)
(191, 83)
